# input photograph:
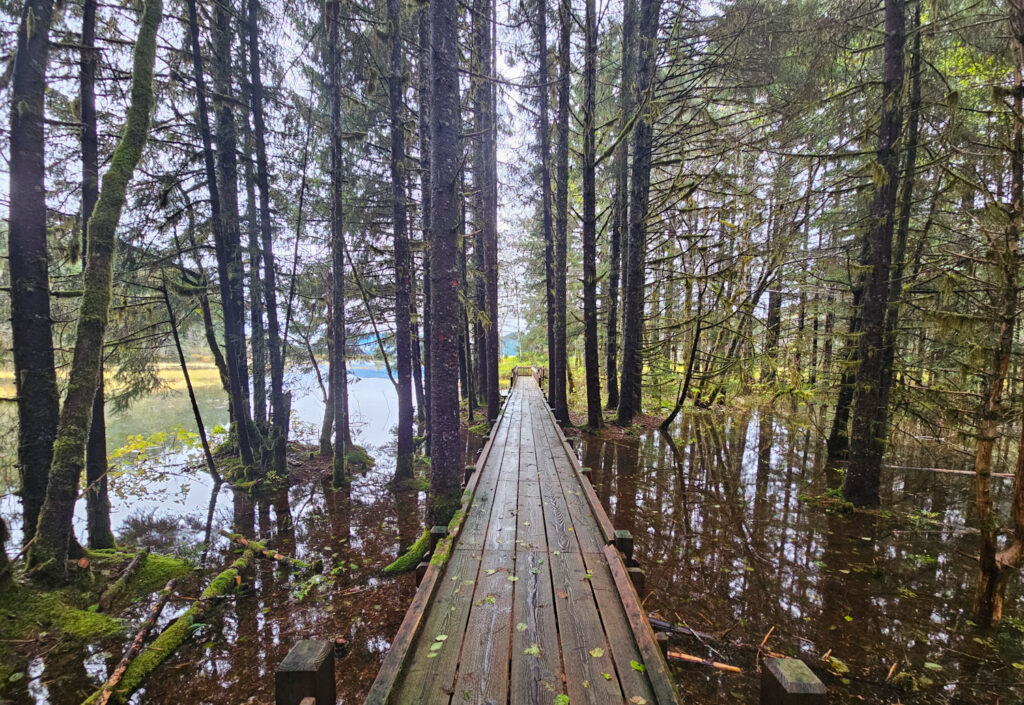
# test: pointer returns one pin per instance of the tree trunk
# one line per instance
(620, 213)
(995, 567)
(227, 246)
(257, 327)
(403, 259)
(339, 373)
(484, 182)
(47, 556)
(97, 499)
(31, 333)
(559, 366)
(870, 416)
(279, 409)
(772, 327)
(423, 125)
(446, 470)
(590, 342)
(544, 139)
(643, 138)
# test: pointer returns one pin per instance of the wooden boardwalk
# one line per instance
(528, 599)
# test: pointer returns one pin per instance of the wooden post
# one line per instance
(639, 579)
(624, 542)
(436, 534)
(588, 473)
(788, 681)
(467, 473)
(662, 640)
(421, 571)
(306, 672)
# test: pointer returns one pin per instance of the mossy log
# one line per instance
(120, 586)
(136, 646)
(261, 550)
(175, 635)
(411, 558)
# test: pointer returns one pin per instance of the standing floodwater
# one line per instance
(737, 541)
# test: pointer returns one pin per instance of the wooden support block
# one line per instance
(421, 570)
(308, 701)
(661, 638)
(788, 681)
(468, 473)
(639, 579)
(436, 534)
(588, 473)
(306, 672)
(624, 542)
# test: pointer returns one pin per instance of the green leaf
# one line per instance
(436, 646)
(562, 699)
(521, 627)
(533, 650)
(441, 637)
(637, 666)
(597, 652)
(607, 676)
(932, 666)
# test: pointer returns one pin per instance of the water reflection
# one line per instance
(719, 513)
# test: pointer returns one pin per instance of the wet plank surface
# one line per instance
(532, 604)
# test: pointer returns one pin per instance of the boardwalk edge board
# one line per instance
(398, 655)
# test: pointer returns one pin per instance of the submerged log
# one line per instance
(118, 587)
(136, 646)
(259, 549)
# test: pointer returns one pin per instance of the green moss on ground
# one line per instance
(357, 455)
(480, 429)
(27, 614)
(411, 558)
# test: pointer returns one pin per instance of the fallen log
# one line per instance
(177, 632)
(261, 550)
(119, 586)
(136, 646)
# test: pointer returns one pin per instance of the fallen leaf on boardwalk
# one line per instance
(563, 594)
(521, 627)
(597, 652)
(562, 699)
(637, 700)
(440, 637)
(512, 578)
(637, 666)
(534, 650)
(585, 684)
(491, 571)
(436, 646)
(607, 676)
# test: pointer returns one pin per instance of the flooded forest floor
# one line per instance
(735, 523)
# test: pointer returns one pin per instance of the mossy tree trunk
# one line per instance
(544, 140)
(31, 331)
(47, 556)
(96, 498)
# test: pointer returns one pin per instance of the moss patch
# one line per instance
(357, 455)
(154, 574)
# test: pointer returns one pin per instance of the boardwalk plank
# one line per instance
(536, 661)
(586, 654)
(429, 678)
(483, 668)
